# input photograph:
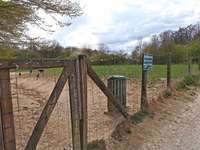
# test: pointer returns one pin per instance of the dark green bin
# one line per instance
(117, 85)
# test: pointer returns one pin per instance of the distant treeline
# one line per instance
(180, 45)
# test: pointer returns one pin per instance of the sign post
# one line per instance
(147, 62)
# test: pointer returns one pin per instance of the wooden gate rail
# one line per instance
(7, 130)
(26, 64)
(48, 109)
(6, 109)
(106, 91)
(78, 103)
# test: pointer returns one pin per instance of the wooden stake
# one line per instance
(78, 103)
(83, 95)
(169, 72)
(1, 134)
(144, 102)
(189, 65)
(199, 63)
(6, 108)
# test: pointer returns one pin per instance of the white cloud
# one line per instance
(119, 23)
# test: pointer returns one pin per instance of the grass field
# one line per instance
(158, 71)
(133, 71)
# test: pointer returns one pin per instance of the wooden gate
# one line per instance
(75, 71)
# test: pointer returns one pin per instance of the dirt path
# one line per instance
(157, 133)
(180, 133)
(175, 126)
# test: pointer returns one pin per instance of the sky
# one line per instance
(119, 24)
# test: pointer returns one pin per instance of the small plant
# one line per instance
(189, 80)
(167, 93)
(192, 80)
(196, 79)
(97, 145)
(181, 85)
(139, 116)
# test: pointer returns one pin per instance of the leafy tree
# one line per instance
(194, 47)
(15, 14)
(6, 52)
(50, 50)
(26, 54)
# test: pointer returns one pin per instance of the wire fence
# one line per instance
(30, 94)
(31, 89)
(157, 77)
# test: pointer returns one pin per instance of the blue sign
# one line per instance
(147, 62)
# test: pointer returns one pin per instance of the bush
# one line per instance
(192, 80)
(181, 85)
(139, 116)
(189, 80)
(167, 93)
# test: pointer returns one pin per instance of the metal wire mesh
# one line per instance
(30, 94)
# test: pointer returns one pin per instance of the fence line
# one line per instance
(75, 72)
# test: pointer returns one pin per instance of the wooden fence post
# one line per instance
(169, 72)
(1, 134)
(78, 103)
(6, 108)
(144, 102)
(189, 65)
(199, 63)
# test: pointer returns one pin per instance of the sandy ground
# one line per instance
(175, 126)
(30, 95)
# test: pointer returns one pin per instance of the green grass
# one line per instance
(139, 116)
(132, 71)
(47, 72)
(192, 80)
(158, 71)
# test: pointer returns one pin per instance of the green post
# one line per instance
(117, 85)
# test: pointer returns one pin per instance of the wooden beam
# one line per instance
(144, 103)
(169, 72)
(48, 109)
(78, 103)
(26, 64)
(6, 108)
(106, 91)
(73, 93)
(82, 73)
(198, 62)
(1, 133)
(189, 64)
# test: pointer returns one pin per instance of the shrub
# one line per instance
(181, 85)
(139, 116)
(167, 93)
(189, 80)
(192, 80)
